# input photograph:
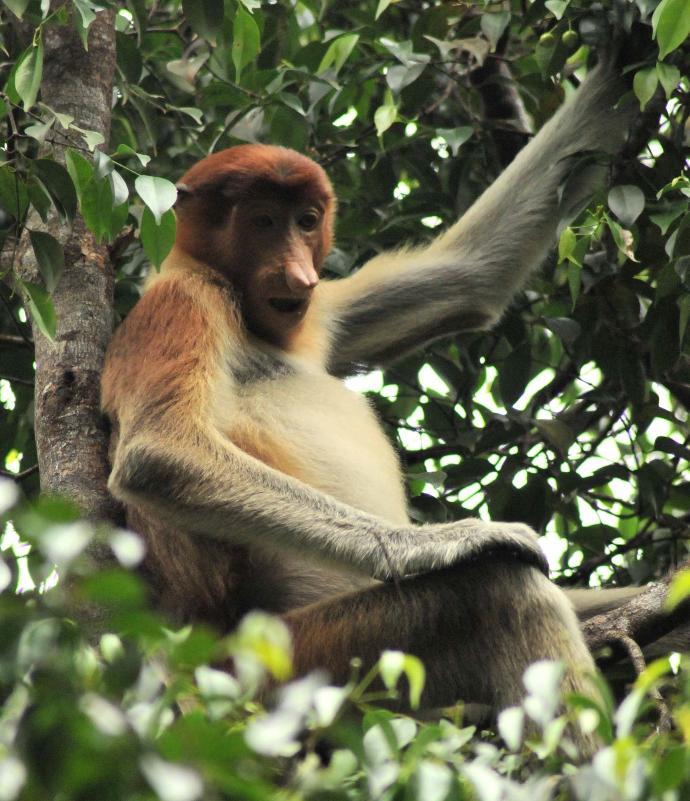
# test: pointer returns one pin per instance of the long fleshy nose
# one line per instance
(301, 276)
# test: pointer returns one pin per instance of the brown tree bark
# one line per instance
(70, 434)
(643, 621)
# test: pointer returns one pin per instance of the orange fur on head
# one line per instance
(261, 217)
(222, 179)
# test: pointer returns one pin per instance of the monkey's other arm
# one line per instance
(465, 279)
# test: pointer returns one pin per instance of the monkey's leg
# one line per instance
(476, 627)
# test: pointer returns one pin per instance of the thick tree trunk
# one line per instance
(70, 434)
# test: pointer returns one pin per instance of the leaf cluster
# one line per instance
(145, 714)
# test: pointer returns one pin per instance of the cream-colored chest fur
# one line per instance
(311, 426)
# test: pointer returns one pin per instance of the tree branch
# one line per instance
(644, 620)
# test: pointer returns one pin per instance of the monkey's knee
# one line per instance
(510, 616)
(546, 621)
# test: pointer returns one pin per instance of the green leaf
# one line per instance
(92, 138)
(119, 188)
(80, 170)
(97, 206)
(195, 113)
(564, 327)
(126, 150)
(668, 215)
(566, 244)
(205, 17)
(65, 120)
(13, 195)
(39, 130)
(84, 17)
(684, 308)
(246, 41)
(399, 76)
(59, 184)
(668, 445)
(678, 590)
(114, 589)
(626, 202)
(157, 238)
(50, 257)
(433, 781)
(623, 239)
(514, 375)
(103, 216)
(27, 78)
(574, 281)
(404, 51)
(382, 6)
(416, 676)
(385, 115)
(467, 472)
(594, 538)
(456, 137)
(669, 77)
(644, 85)
(17, 7)
(493, 25)
(41, 308)
(511, 726)
(391, 665)
(557, 7)
(129, 57)
(291, 101)
(266, 639)
(338, 53)
(289, 128)
(671, 25)
(669, 771)
(39, 197)
(558, 433)
(158, 194)
(434, 477)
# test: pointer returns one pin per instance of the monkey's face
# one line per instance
(263, 217)
(275, 251)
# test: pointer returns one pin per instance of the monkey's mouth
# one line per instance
(288, 305)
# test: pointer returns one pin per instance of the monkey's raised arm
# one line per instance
(167, 368)
(465, 279)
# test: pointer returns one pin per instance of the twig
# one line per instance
(21, 474)
(14, 380)
(15, 322)
(13, 339)
(633, 649)
(639, 663)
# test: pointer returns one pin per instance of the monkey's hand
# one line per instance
(435, 547)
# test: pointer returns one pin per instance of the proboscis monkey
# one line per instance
(260, 480)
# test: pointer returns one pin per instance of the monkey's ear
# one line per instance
(229, 185)
(183, 192)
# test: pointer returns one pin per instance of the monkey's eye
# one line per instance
(308, 221)
(262, 221)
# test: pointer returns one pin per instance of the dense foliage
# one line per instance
(571, 415)
(142, 715)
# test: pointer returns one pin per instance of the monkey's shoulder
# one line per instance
(166, 343)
